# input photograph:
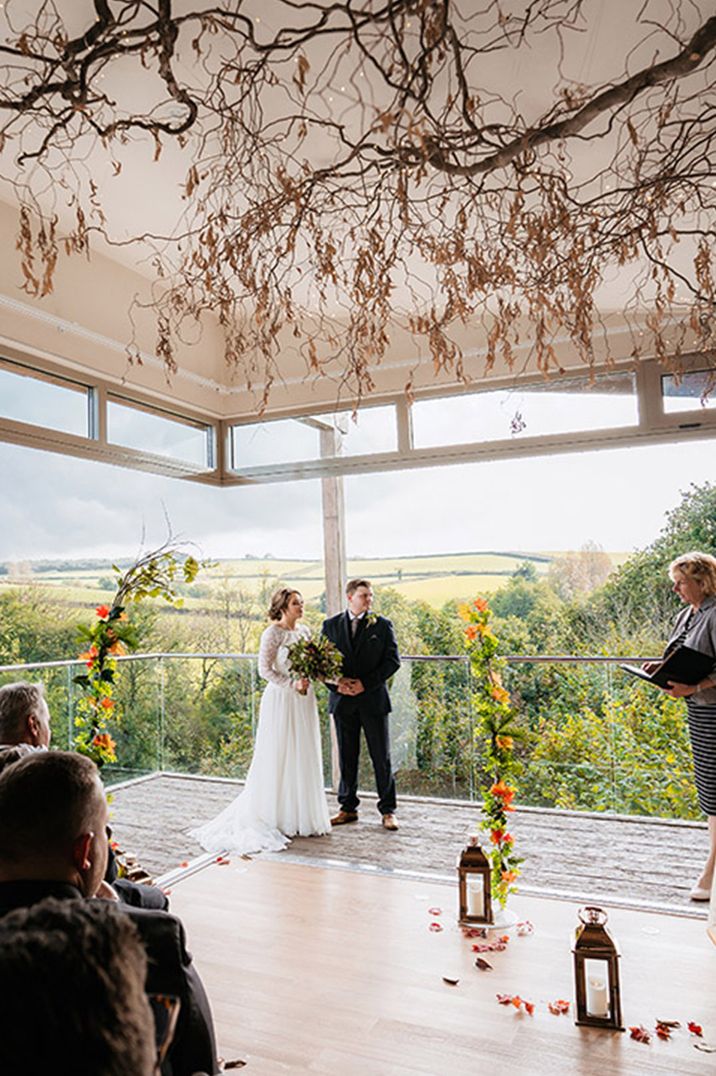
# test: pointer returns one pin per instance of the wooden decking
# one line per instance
(321, 971)
(632, 863)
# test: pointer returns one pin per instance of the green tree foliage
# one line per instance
(640, 593)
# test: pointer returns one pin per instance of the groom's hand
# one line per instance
(357, 687)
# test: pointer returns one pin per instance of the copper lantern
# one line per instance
(596, 972)
(475, 889)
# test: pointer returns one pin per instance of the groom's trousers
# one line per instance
(349, 721)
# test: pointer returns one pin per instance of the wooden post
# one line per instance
(334, 554)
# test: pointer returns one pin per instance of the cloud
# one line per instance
(63, 507)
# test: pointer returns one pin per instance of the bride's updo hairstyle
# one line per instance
(279, 602)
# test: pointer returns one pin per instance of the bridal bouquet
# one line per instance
(315, 659)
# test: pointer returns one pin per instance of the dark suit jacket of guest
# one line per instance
(371, 657)
(170, 971)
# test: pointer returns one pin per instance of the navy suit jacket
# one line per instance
(170, 971)
(371, 657)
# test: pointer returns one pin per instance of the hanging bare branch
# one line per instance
(360, 166)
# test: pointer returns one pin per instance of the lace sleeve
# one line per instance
(268, 649)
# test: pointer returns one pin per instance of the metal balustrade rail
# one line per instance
(592, 739)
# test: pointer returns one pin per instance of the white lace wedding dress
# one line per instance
(283, 795)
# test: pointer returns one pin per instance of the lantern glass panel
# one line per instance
(596, 984)
(476, 895)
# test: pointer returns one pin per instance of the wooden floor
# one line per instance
(313, 970)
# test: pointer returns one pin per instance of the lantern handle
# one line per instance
(590, 914)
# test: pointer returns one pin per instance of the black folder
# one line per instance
(683, 666)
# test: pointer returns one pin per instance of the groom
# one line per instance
(360, 699)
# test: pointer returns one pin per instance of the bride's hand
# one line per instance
(302, 685)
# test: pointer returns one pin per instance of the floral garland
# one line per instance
(492, 706)
(153, 575)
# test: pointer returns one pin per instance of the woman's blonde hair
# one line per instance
(279, 602)
(698, 566)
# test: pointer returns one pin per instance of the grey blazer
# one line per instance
(700, 636)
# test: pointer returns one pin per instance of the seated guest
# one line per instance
(53, 814)
(72, 985)
(24, 728)
(24, 716)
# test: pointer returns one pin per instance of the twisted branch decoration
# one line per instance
(354, 169)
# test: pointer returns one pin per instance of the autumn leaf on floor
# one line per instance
(517, 1001)
(523, 929)
(435, 927)
(184, 863)
(490, 946)
(435, 911)
(223, 861)
(482, 964)
(665, 1027)
(695, 1029)
(559, 1007)
(449, 981)
(234, 1065)
(640, 1034)
(474, 932)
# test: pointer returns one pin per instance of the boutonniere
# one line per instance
(371, 619)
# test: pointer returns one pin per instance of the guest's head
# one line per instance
(360, 596)
(694, 576)
(72, 985)
(53, 817)
(24, 717)
(286, 601)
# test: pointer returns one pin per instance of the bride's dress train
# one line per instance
(283, 795)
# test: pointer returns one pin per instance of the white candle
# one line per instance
(597, 1001)
(475, 898)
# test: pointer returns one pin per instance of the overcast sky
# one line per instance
(62, 507)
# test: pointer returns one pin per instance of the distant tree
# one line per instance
(639, 592)
(578, 573)
(527, 571)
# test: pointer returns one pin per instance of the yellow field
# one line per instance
(434, 579)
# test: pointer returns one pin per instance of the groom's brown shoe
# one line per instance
(390, 822)
(342, 817)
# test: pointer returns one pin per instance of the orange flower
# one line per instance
(500, 695)
(503, 791)
(504, 742)
(463, 611)
(123, 616)
(481, 605)
(497, 835)
(471, 632)
(104, 742)
(102, 611)
(509, 876)
(116, 648)
(89, 656)
(107, 704)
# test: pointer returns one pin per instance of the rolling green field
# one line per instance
(433, 579)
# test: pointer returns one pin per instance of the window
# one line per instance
(134, 426)
(31, 396)
(692, 391)
(560, 405)
(292, 440)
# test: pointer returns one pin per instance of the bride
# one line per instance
(283, 795)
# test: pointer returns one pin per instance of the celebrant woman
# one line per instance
(694, 580)
(284, 794)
